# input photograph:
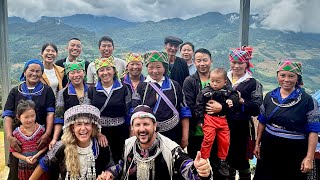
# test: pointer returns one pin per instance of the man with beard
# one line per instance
(178, 68)
(106, 47)
(191, 88)
(74, 49)
(151, 156)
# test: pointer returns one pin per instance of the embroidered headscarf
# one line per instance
(104, 62)
(26, 65)
(72, 115)
(156, 56)
(243, 54)
(75, 65)
(294, 67)
(142, 111)
(290, 66)
(133, 57)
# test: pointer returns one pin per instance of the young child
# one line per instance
(28, 133)
(215, 125)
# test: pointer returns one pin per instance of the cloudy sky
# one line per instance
(295, 15)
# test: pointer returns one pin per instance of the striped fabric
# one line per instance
(290, 66)
(75, 65)
(104, 62)
(133, 57)
(156, 56)
(243, 54)
(29, 148)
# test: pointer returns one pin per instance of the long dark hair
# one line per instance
(49, 44)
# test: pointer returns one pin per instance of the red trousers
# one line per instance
(215, 126)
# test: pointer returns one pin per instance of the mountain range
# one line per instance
(214, 31)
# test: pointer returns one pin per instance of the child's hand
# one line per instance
(34, 158)
(31, 160)
(241, 100)
(230, 103)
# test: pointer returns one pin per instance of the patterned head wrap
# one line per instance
(26, 65)
(142, 111)
(104, 62)
(290, 66)
(133, 57)
(75, 65)
(243, 54)
(72, 115)
(156, 56)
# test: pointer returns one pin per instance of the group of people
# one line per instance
(72, 119)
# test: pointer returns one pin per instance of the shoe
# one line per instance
(223, 168)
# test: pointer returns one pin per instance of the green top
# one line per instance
(205, 83)
(198, 131)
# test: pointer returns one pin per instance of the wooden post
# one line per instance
(4, 62)
(244, 22)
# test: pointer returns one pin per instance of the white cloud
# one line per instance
(294, 15)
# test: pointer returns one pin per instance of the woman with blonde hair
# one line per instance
(78, 154)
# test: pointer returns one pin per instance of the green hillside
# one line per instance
(213, 31)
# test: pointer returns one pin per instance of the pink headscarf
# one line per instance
(243, 54)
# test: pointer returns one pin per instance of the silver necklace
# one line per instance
(144, 165)
(87, 163)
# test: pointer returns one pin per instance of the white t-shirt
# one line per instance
(53, 80)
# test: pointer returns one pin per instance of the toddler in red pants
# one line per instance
(215, 125)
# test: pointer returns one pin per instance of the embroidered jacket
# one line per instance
(251, 92)
(166, 116)
(42, 95)
(115, 104)
(296, 115)
(67, 98)
(54, 161)
(127, 81)
(170, 162)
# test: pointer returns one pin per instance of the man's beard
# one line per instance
(149, 138)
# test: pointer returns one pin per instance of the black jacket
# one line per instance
(220, 96)
(179, 71)
(251, 92)
(191, 88)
